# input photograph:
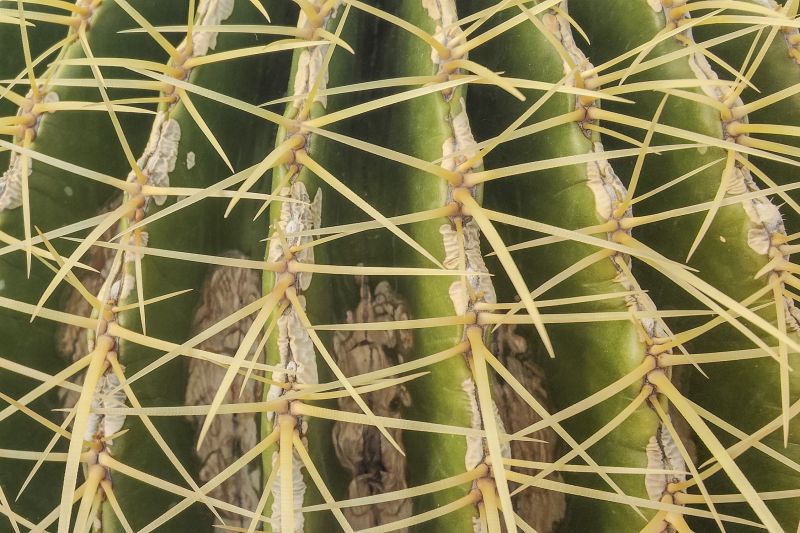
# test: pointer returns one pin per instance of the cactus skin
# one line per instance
(621, 337)
(169, 320)
(59, 198)
(608, 350)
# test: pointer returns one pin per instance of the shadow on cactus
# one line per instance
(418, 266)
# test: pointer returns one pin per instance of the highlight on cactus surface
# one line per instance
(399, 265)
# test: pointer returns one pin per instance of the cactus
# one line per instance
(368, 265)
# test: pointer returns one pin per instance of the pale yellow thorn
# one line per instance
(134, 165)
(9, 513)
(189, 41)
(47, 385)
(331, 362)
(254, 173)
(108, 490)
(26, 50)
(261, 344)
(156, 299)
(155, 434)
(687, 459)
(675, 181)
(144, 23)
(34, 415)
(727, 175)
(481, 377)
(82, 412)
(69, 167)
(274, 47)
(26, 197)
(534, 404)
(46, 453)
(109, 462)
(505, 135)
(268, 306)
(323, 74)
(710, 295)
(410, 492)
(600, 495)
(489, 508)
(261, 9)
(201, 123)
(485, 73)
(320, 483)
(656, 524)
(488, 35)
(441, 49)
(96, 473)
(598, 397)
(637, 168)
(487, 228)
(360, 109)
(664, 386)
(304, 159)
(783, 354)
(469, 499)
(266, 492)
(286, 429)
(127, 208)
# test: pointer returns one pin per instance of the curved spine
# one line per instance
(184, 133)
(35, 194)
(574, 197)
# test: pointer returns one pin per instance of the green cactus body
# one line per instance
(333, 309)
(435, 127)
(290, 346)
(41, 36)
(609, 350)
(179, 154)
(739, 240)
(777, 71)
(762, 240)
(59, 197)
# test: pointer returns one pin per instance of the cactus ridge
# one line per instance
(431, 265)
